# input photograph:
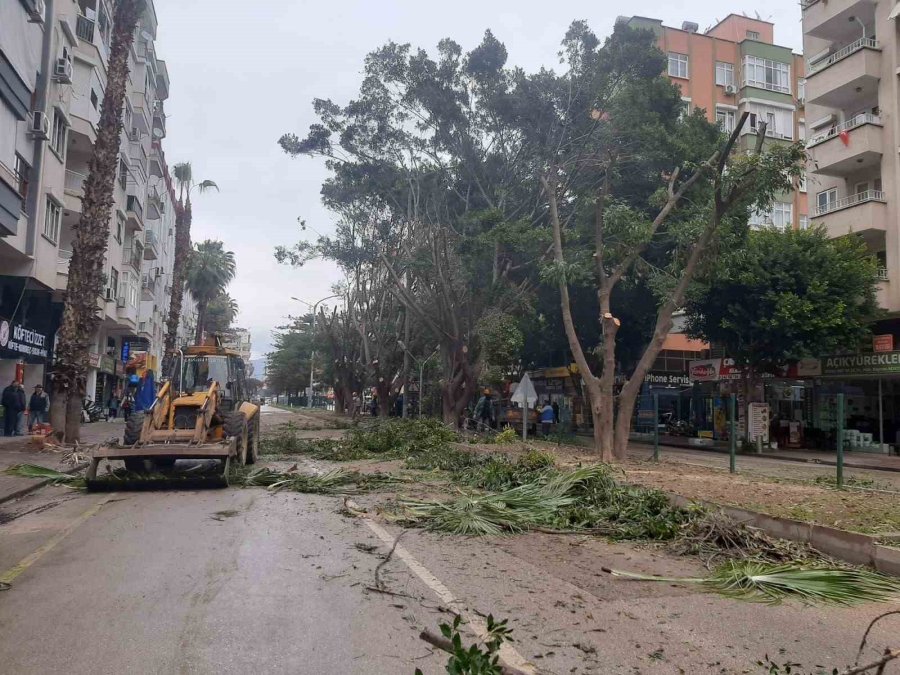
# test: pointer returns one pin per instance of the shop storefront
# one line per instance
(28, 323)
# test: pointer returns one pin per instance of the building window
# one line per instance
(725, 119)
(783, 215)
(801, 131)
(52, 218)
(94, 100)
(779, 121)
(58, 135)
(123, 172)
(120, 227)
(801, 182)
(23, 176)
(804, 222)
(779, 216)
(724, 74)
(765, 74)
(801, 90)
(114, 282)
(752, 35)
(826, 200)
(678, 65)
(133, 292)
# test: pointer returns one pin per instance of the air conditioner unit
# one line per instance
(730, 89)
(134, 135)
(801, 101)
(40, 125)
(120, 302)
(62, 71)
(36, 12)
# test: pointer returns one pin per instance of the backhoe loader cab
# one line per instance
(201, 412)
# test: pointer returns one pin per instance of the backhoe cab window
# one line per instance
(201, 371)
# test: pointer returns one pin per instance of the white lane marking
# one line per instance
(509, 655)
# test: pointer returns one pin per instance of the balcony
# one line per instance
(148, 287)
(154, 204)
(63, 258)
(159, 121)
(836, 19)
(91, 39)
(845, 78)
(73, 191)
(133, 255)
(864, 213)
(151, 245)
(863, 149)
(134, 213)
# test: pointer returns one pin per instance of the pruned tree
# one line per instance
(184, 179)
(635, 188)
(91, 234)
(430, 184)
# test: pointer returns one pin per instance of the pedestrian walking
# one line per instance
(127, 406)
(10, 413)
(373, 406)
(38, 405)
(547, 417)
(357, 406)
(484, 411)
(113, 406)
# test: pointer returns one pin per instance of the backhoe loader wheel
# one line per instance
(133, 428)
(236, 427)
(253, 440)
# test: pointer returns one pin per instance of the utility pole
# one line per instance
(312, 351)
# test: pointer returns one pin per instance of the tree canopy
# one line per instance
(782, 296)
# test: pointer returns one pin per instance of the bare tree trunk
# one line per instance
(176, 295)
(201, 321)
(85, 285)
(73, 411)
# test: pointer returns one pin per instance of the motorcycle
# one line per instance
(91, 411)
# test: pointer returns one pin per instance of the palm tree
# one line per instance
(220, 313)
(79, 319)
(209, 270)
(184, 178)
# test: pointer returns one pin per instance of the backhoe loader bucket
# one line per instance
(160, 470)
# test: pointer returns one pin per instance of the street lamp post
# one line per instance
(312, 353)
(421, 372)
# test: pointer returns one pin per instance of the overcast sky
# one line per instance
(243, 73)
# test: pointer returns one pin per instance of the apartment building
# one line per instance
(239, 340)
(852, 98)
(53, 69)
(733, 67)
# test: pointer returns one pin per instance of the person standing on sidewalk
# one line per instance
(10, 413)
(37, 407)
(113, 406)
(127, 406)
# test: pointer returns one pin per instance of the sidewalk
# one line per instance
(19, 450)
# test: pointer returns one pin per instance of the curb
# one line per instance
(769, 455)
(852, 547)
(35, 485)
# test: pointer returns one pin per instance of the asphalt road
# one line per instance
(238, 581)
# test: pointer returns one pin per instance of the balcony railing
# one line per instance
(852, 200)
(770, 133)
(75, 181)
(843, 53)
(882, 274)
(133, 204)
(852, 123)
(63, 258)
(133, 255)
(84, 28)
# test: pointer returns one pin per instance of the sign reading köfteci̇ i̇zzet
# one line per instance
(17, 340)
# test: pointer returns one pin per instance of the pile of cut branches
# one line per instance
(336, 481)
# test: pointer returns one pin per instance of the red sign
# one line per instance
(706, 370)
(882, 343)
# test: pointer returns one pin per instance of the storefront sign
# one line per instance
(706, 370)
(126, 351)
(758, 416)
(883, 343)
(107, 364)
(862, 364)
(120, 368)
(93, 360)
(809, 368)
(729, 371)
(17, 340)
(668, 379)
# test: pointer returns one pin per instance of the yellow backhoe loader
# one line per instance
(201, 412)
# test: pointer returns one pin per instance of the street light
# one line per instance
(421, 371)
(312, 354)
